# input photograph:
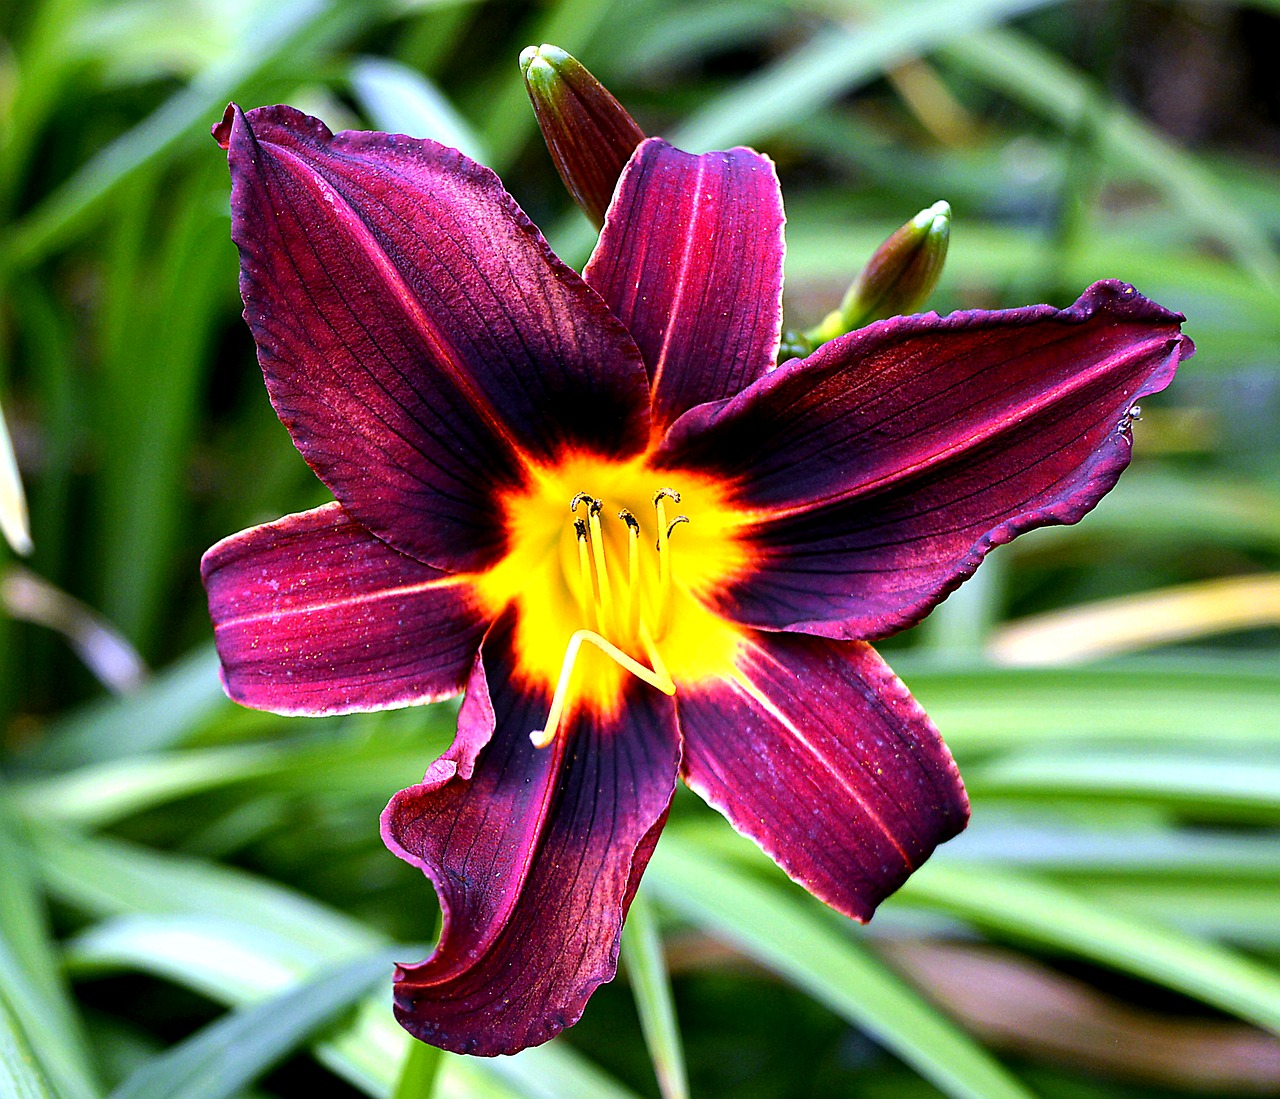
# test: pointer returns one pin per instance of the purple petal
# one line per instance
(691, 260)
(887, 464)
(314, 615)
(816, 751)
(535, 854)
(418, 338)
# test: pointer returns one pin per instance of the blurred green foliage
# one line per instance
(165, 856)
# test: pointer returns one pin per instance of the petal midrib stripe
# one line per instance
(346, 601)
(444, 353)
(971, 441)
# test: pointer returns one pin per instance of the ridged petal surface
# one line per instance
(690, 259)
(535, 854)
(885, 466)
(419, 340)
(816, 751)
(314, 615)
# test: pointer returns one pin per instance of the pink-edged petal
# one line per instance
(535, 854)
(886, 465)
(419, 340)
(816, 751)
(690, 259)
(314, 615)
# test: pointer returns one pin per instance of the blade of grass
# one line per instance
(1236, 785)
(1038, 78)
(108, 877)
(834, 61)
(651, 985)
(291, 27)
(419, 1071)
(21, 1076)
(399, 100)
(159, 372)
(1062, 920)
(1211, 700)
(111, 877)
(162, 715)
(234, 1051)
(31, 984)
(785, 934)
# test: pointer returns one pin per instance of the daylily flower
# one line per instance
(642, 549)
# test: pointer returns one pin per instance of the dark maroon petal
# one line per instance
(817, 752)
(691, 260)
(589, 134)
(314, 615)
(535, 854)
(889, 462)
(419, 339)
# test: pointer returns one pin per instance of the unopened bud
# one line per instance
(589, 133)
(898, 279)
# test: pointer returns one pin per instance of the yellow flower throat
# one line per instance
(608, 580)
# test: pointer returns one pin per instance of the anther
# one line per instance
(632, 522)
(675, 523)
(666, 494)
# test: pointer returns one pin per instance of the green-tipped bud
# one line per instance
(898, 279)
(589, 133)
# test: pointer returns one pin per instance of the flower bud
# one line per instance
(898, 279)
(589, 133)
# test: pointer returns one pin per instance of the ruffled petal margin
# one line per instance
(419, 339)
(816, 750)
(314, 615)
(690, 259)
(535, 855)
(886, 465)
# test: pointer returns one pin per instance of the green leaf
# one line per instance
(21, 1076)
(785, 934)
(651, 985)
(400, 100)
(287, 29)
(231, 1053)
(1034, 909)
(170, 709)
(1209, 699)
(31, 983)
(108, 877)
(1193, 781)
(1039, 78)
(418, 1071)
(834, 61)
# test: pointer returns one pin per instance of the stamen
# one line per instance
(633, 571)
(660, 499)
(591, 602)
(660, 679)
(604, 592)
